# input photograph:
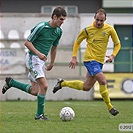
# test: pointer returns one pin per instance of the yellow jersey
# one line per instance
(97, 41)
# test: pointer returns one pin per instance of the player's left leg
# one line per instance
(41, 98)
(103, 89)
(104, 92)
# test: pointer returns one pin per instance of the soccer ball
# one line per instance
(67, 114)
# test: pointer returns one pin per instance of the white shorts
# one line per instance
(35, 66)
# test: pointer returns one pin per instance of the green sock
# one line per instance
(20, 86)
(40, 104)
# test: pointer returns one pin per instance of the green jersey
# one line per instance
(43, 37)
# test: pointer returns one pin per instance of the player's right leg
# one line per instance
(75, 84)
(31, 89)
(10, 82)
(7, 85)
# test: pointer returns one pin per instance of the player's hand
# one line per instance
(73, 63)
(49, 67)
(110, 58)
(42, 56)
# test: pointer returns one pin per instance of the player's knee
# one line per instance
(102, 82)
(87, 88)
(34, 91)
(45, 87)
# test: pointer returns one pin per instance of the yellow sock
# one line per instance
(105, 95)
(75, 84)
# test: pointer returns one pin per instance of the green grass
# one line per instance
(91, 117)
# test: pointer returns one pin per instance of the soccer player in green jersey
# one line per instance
(97, 35)
(44, 37)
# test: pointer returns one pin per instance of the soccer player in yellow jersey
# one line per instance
(97, 37)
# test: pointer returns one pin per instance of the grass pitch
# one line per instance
(91, 117)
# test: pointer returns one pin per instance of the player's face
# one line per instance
(99, 20)
(58, 21)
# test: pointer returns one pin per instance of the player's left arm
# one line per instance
(116, 41)
(53, 51)
(52, 58)
(117, 45)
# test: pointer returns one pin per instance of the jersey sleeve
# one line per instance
(56, 42)
(116, 41)
(35, 32)
(116, 49)
(82, 35)
(114, 36)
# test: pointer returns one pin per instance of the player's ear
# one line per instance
(95, 17)
(54, 17)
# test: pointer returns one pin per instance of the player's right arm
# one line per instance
(31, 47)
(82, 35)
(35, 32)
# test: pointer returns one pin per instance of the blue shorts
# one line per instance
(93, 67)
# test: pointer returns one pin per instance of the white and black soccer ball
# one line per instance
(67, 114)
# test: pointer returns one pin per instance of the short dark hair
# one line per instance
(101, 10)
(59, 11)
